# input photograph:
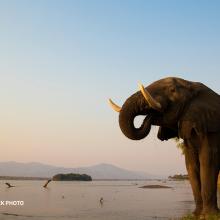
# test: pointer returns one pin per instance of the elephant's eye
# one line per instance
(172, 90)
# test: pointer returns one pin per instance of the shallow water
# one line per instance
(122, 200)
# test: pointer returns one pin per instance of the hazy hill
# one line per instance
(100, 171)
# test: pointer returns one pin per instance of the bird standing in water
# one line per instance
(101, 201)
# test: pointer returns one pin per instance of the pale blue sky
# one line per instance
(61, 60)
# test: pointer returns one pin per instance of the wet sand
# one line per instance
(155, 187)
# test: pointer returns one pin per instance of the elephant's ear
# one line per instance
(202, 115)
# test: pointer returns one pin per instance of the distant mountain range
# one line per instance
(100, 171)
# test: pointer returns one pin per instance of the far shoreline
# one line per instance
(47, 178)
(22, 178)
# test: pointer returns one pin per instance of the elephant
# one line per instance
(186, 110)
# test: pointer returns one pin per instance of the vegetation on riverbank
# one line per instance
(72, 177)
(179, 177)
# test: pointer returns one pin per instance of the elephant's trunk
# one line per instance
(126, 122)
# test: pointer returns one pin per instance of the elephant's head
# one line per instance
(176, 105)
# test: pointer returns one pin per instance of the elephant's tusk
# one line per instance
(114, 106)
(150, 100)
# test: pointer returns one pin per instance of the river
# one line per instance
(121, 200)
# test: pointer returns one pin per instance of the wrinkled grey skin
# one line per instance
(190, 111)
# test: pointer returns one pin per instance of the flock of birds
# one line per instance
(45, 186)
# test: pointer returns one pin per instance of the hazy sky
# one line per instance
(61, 60)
